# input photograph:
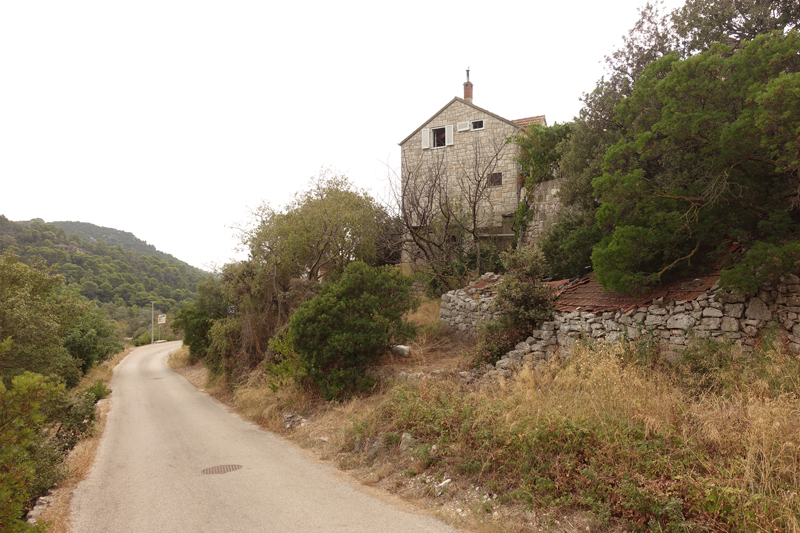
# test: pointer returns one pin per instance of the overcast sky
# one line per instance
(172, 119)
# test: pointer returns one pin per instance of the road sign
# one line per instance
(162, 319)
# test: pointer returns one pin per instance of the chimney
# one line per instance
(468, 89)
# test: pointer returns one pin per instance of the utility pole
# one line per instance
(152, 319)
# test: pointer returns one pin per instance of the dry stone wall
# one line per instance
(724, 317)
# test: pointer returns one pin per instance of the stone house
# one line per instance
(462, 153)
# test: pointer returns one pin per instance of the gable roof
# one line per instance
(524, 122)
(512, 123)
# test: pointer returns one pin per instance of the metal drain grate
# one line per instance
(221, 469)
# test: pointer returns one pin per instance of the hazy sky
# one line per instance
(171, 119)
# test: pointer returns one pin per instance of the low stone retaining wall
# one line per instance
(464, 310)
(712, 314)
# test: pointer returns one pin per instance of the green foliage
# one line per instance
(25, 464)
(36, 318)
(522, 301)
(195, 324)
(286, 365)
(539, 161)
(98, 391)
(568, 245)
(763, 263)
(129, 272)
(320, 232)
(538, 158)
(495, 339)
(340, 331)
(699, 153)
(92, 339)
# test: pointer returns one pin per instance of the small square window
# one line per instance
(476, 125)
(495, 179)
(439, 137)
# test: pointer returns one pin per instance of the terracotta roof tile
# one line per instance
(523, 122)
(587, 294)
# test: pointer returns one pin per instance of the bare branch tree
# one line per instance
(448, 204)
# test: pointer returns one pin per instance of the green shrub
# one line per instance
(98, 390)
(522, 301)
(24, 459)
(337, 333)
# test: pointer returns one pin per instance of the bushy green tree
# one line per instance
(21, 421)
(319, 232)
(51, 330)
(709, 150)
(350, 323)
(684, 32)
(567, 246)
(195, 320)
(92, 339)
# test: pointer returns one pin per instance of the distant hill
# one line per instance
(113, 237)
(106, 265)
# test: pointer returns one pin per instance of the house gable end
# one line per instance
(450, 103)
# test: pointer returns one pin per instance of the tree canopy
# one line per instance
(322, 230)
(689, 140)
(709, 150)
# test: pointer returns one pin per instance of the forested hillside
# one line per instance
(107, 273)
(112, 237)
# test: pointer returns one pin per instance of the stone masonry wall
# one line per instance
(545, 207)
(460, 157)
(730, 318)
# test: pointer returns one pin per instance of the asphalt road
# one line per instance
(162, 433)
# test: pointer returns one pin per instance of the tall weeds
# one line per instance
(711, 442)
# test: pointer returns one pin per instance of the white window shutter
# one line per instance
(462, 126)
(426, 138)
(448, 135)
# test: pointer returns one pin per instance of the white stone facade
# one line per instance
(474, 153)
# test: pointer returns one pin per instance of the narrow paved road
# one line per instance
(161, 433)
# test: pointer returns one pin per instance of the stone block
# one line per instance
(729, 324)
(680, 321)
(710, 312)
(711, 323)
(639, 317)
(653, 320)
(656, 310)
(733, 310)
(758, 310)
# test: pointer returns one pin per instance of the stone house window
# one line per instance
(437, 137)
(476, 125)
(496, 179)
